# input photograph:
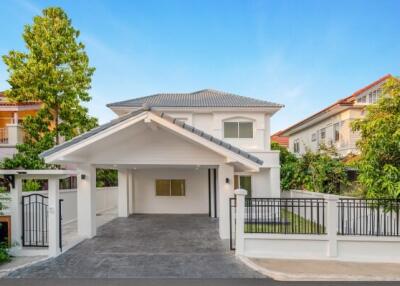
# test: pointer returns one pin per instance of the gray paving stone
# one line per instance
(147, 246)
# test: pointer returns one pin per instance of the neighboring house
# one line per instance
(280, 139)
(332, 125)
(11, 115)
(177, 153)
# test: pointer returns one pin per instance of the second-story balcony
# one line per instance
(11, 135)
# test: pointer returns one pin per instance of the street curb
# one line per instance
(284, 276)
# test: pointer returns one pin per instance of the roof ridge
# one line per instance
(200, 98)
(343, 101)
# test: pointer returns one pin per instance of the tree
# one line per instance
(320, 172)
(54, 71)
(106, 178)
(379, 163)
(288, 163)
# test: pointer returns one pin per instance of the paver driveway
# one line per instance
(157, 246)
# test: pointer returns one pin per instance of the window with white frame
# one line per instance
(362, 99)
(170, 188)
(313, 137)
(238, 129)
(296, 146)
(336, 131)
(322, 134)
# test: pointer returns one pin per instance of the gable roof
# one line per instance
(135, 113)
(280, 139)
(347, 101)
(201, 98)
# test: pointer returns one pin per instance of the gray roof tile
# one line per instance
(201, 98)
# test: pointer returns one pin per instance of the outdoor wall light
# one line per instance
(83, 176)
(227, 180)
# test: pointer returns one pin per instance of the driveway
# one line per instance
(147, 246)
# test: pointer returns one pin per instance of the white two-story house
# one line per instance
(177, 153)
(332, 125)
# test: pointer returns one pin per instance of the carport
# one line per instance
(147, 246)
(150, 149)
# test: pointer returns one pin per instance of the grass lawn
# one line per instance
(289, 223)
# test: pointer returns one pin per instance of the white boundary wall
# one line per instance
(329, 246)
(304, 194)
(106, 199)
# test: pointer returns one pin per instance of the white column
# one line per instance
(54, 217)
(16, 212)
(225, 192)
(123, 193)
(275, 182)
(332, 226)
(86, 196)
(239, 230)
(131, 187)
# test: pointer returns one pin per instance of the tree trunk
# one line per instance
(56, 121)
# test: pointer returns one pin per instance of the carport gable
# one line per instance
(232, 154)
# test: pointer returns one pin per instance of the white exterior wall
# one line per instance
(194, 201)
(349, 248)
(346, 143)
(213, 123)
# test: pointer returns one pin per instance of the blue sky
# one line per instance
(304, 54)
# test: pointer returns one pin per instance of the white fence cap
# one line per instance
(242, 192)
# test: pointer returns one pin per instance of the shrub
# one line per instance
(4, 254)
(4, 198)
(31, 186)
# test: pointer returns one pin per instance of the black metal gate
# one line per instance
(232, 223)
(35, 221)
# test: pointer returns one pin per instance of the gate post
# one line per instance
(240, 201)
(54, 217)
(16, 213)
(332, 226)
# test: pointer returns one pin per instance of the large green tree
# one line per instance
(379, 163)
(55, 71)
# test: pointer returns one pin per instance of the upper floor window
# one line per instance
(296, 146)
(362, 99)
(322, 134)
(370, 97)
(336, 132)
(238, 129)
(313, 137)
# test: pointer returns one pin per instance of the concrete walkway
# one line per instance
(147, 246)
(317, 270)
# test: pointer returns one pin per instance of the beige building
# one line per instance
(332, 125)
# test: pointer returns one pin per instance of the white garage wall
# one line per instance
(195, 200)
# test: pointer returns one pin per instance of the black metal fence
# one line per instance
(285, 215)
(372, 217)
